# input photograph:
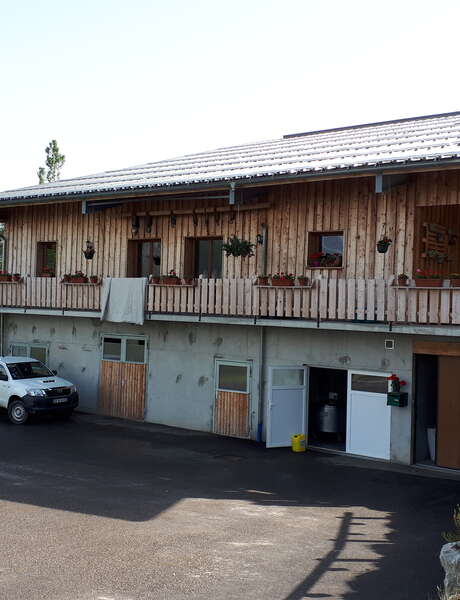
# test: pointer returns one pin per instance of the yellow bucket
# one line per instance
(298, 442)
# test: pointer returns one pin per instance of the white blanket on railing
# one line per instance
(123, 299)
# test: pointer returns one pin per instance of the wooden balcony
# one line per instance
(356, 300)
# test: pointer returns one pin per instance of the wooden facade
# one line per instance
(288, 212)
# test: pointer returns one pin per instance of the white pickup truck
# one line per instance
(28, 387)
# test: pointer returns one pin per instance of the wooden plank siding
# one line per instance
(122, 389)
(360, 289)
(231, 416)
(350, 206)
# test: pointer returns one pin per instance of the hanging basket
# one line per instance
(383, 245)
(236, 247)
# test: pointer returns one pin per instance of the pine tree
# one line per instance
(54, 161)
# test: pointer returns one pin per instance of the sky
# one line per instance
(120, 83)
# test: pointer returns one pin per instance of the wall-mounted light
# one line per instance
(260, 238)
(135, 225)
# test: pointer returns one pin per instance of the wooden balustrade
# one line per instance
(359, 300)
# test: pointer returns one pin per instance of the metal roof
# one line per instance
(404, 142)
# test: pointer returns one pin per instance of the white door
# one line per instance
(286, 409)
(368, 416)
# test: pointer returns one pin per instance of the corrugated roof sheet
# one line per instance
(406, 141)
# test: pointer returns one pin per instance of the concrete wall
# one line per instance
(180, 388)
(182, 357)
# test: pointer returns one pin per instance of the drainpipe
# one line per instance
(261, 382)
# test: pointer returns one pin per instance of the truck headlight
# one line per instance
(36, 392)
(73, 389)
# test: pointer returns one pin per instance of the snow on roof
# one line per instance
(369, 146)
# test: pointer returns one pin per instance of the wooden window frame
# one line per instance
(234, 363)
(191, 255)
(40, 257)
(123, 339)
(133, 260)
(337, 232)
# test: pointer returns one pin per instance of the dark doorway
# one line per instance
(144, 258)
(327, 408)
(426, 407)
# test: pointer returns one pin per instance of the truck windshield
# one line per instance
(28, 370)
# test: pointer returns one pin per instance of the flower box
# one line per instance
(434, 283)
(170, 281)
(188, 280)
(94, 279)
(262, 281)
(154, 280)
(6, 277)
(455, 283)
(78, 280)
(282, 282)
(303, 281)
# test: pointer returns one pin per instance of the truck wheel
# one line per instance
(17, 412)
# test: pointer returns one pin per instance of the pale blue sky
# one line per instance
(120, 83)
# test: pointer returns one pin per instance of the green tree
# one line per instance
(54, 161)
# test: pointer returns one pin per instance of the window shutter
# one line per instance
(189, 257)
(133, 258)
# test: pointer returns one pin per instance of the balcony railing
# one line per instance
(358, 300)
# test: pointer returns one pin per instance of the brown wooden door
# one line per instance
(122, 389)
(448, 428)
(232, 403)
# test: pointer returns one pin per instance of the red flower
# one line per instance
(393, 377)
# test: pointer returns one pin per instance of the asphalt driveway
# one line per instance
(99, 509)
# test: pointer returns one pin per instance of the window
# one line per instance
(373, 384)
(325, 250)
(288, 377)
(2, 250)
(124, 349)
(37, 351)
(46, 259)
(144, 258)
(3, 374)
(203, 256)
(232, 377)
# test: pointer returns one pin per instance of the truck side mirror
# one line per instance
(54, 372)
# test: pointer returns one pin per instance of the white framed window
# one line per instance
(124, 348)
(37, 351)
(232, 376)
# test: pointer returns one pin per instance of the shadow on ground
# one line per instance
(105, 467)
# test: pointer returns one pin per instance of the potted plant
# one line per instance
(262, 279)
(66, 277)
(440, 257)
(314, 260)
(395, 397)
(78, 277)
(171, 278)
(282, 279)
(4, 276)
(236, 247)
(17, 277)
(454, 279)
(303, 281)
(47, 272)
(383, 244)
(426, 279)
(324, 259)
(402, 279)
(94, 279)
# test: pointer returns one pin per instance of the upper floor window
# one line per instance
(144, 258)
(46, 259)
(325, 249)
(203, 256)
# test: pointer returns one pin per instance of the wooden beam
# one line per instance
(199, 211)
(437, 348)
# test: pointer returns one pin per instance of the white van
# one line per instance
(28, 387)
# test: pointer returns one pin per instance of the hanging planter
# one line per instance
(384, 244)
(236, 247)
